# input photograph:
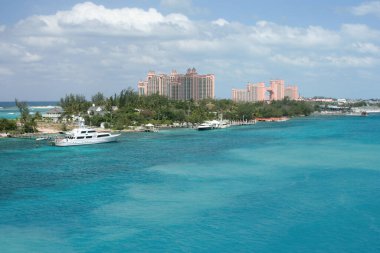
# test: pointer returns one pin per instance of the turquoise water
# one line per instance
(305, 185)
(9, 110)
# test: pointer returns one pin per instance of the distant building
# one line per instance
(292, 92)
(253, 93)
(54, 114)
(276, 90)
(178, 86)
(240, 95)
(96, 110)
(258, 92)
(341, 101)
(316, 99)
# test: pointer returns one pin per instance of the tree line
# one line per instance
(27, 122)
(133, 109)
(127, 108)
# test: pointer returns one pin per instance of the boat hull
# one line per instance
(74, 142)
(204, 128)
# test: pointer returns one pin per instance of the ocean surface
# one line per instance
(306, 185)
(9, 110)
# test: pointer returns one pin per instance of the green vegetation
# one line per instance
(128, 108)
(74, 104)
(27, 121)
(8, 125)
(358, 104)
(286, 107)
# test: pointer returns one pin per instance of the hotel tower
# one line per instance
(179, 86)
(258, 92)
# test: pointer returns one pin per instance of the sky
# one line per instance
(52, 48)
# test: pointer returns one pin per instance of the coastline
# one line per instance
(52, 129)
(273, 119)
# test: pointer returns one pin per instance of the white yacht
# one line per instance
(204, 126)
(209, 125)
(84, 136)
(224, 124)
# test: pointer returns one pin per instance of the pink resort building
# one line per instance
(178, 86)
(292, 92)
(258, 92)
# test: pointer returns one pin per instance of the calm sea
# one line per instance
(9, 110)
(305, 185)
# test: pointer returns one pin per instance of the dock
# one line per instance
(242, 122)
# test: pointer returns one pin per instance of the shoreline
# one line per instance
(273, 119)
(48, 129)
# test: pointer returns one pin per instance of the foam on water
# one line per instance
(9, 110)
(42, 107)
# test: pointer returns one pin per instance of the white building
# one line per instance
(54, 114)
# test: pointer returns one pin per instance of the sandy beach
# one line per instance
(49, 128)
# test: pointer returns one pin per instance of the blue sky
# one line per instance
(52, 48)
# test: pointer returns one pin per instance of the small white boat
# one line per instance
(204, 126)
(43, 138)
(209, 125)
(84, 136)
(213, 124)
(224, 124)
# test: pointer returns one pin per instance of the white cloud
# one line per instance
(81, 49)
(9, 50)
(360, 31)
(220, 22)
(367, 8)
(366, 48)
(274, 34)
(351, 61)
(303, 61)
(91, 18)
(183, 6)
(29, 57)
(143, 59)
(341, 61)
(2, 28)
(44, 41)
(195, 45)
(13, 53)
(176, 4)
(5, 71)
